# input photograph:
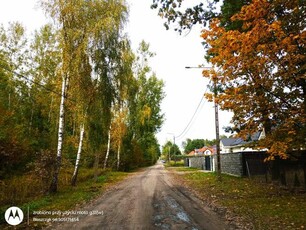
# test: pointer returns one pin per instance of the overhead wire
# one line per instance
(36, 83)
(189, 125)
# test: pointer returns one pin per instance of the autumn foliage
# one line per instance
(260, 68)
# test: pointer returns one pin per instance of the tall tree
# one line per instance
(190, 145)
(184, 16)
(77, 162)
(170, 149)
(119, 130)
(262, 69)
(149, 96)
(45, 59)
(15, 97)
(81, 24)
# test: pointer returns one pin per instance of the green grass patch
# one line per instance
(179, 163)
(67, 197)
(184, 169)
(265, 205)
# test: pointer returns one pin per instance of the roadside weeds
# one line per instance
(67, 198)
(246, 203)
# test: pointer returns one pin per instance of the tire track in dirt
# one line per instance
(148, 200)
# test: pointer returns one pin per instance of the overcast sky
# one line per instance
(184, 88)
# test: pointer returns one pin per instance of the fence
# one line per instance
(290, 173)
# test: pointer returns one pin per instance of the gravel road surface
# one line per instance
(150, 199)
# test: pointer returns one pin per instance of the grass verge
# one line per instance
(179, 163)
(264, 205)
(67, 198)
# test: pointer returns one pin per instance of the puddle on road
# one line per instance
(172, 203)
(183, 216)
(169, 213)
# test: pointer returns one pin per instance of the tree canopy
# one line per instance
(74, 92)
(257, 49)
(170, 150)
(192, 144)
(261, 68)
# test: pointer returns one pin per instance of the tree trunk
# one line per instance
(31, 118)
(96, 166)
(49, 116)
(76, 168)
(118, 156)
(9, 101)
(54, 183)
(108, 147)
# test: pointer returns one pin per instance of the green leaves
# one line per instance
(85, 45)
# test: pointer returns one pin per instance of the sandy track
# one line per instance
(148, 200)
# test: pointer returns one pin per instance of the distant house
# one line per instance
(204, 151)
(235, 145)
(201, 158)
(192, 153)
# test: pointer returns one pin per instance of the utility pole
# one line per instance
(217, 133)
(216, 122)
(172, 145)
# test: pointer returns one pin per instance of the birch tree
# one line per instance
(144, 114)
(80, 23)
(77, 162)
(119, 128)
(108, 146)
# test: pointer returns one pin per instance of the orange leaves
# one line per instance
(261, 65)
(257, 9)
(209, 96)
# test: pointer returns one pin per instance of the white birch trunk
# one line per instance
(108, 146)
(76, 168)
(118, 156)
(53, 187)
(61, 119)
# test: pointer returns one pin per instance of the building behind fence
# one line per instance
(290, 173)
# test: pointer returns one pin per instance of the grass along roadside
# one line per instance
(264, 205)
(68, 198)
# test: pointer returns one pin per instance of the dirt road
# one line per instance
(148, 200)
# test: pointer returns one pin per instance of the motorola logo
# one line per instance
(13, 215)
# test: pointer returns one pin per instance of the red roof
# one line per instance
(201, 151)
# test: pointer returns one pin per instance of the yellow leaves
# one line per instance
(256, 63)
(145, 114)
(214, 32)
(209, 96)
(278, 149)
(119, 126)
(275, 26)
(257, 9)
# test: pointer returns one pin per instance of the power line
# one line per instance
(36, 83)
(188, 126)
(196, 117)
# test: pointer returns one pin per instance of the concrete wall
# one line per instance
(196, 162)
(199, 162)
(231, 163)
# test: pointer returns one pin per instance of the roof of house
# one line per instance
(228, 141)
(202, 150)
(240, 141)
